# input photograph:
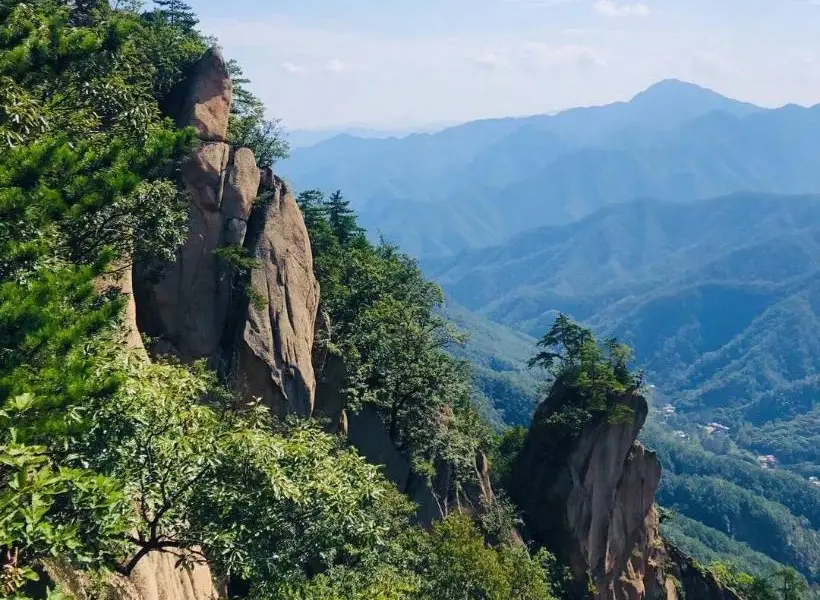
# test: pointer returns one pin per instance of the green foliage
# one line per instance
(746, 512)
(708, 545)
(689, 458)
(341, 218)
(106, 457)
(794, 439)
(48, 510)
(505, 391)
(588, 379)
(505, 454)
(170, 46)
(573, 356)
(238, 259)
(217, 481)
(83, 191)
(457, 564)
(248, 126)
(88, 180)
(178, 14)
(782, 584)
(385, 326)
(765, 526)
(452, 562)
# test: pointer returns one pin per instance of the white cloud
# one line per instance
(533, 56)
(294, 69)
(541, 2)
(515, 63)
(609, 8)
(335, 66)
(491, 60)
(541, 55)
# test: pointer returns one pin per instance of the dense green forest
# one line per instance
(728, 508)
(722, 317)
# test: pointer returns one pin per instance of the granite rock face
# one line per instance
(590, 498)
(434, 499)
(256, 333)
(206, 98)
(274, 358)
(158, 576)
(254, 329)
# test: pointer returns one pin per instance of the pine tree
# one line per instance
(342, 218)
(74, 169)
(248, 125)
(177, 13)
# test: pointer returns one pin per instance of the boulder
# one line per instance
(158, 576)
(239, 192)
(206, 98)
(256, 334)
(198, 309)
(572, 500)
(187, 307)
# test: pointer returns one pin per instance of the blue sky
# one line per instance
(396, 63)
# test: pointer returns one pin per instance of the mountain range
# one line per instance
(684, 223)
(483, 182)
(720, 298)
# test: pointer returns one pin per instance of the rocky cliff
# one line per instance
(256, 331)
(590, 499)
(587, 491)
(366, 431)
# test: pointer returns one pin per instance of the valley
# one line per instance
(682, 222)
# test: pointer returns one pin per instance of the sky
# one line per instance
(396, 64)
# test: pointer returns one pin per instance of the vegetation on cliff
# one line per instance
(596, 375)
(107, 457)
(385, 328)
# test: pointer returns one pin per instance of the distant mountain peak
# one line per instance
(697, 97)
(674, 87)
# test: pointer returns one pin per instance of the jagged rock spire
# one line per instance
(590, 498)
(259, 339)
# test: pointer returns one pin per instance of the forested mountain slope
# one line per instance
(212, 387)
(162, 433)
(718, 298)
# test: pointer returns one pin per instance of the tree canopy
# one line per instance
(386, 328)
